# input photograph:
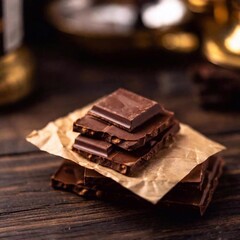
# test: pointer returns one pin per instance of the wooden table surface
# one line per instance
(31, 209)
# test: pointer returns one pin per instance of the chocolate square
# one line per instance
(125, 109)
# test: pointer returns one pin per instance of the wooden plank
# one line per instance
(30, 208)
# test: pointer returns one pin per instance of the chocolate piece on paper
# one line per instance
(125, 109)
(92, 127)
(93, 146)
(127, 163)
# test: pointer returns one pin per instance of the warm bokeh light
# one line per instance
(232, 42)
(102, 18)
(164, 13)
(184, 42)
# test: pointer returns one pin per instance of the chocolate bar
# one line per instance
(69, 177)
(93, 146)
(88, 183)
(127, 163)
(197, 175)
(92, 127)
(198, 199)
(126, 109)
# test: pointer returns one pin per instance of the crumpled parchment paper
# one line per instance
(163, 172)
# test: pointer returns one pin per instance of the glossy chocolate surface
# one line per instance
(125, 109)
(93, 146)
(92, 127)
(127, 163)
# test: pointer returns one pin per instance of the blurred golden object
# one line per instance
(16, 72)
(180, 41)
(216, 8)
(199, 6)
(112, 26)
(222, 43)
(220, 11)
(232, 42)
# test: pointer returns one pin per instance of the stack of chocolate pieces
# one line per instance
(123, 131)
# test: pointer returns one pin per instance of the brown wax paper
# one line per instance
(163, 172)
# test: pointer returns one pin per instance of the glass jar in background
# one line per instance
(16, 63)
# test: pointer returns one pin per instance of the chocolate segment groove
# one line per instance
(125, 109)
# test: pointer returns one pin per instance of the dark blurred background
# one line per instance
(177, 46)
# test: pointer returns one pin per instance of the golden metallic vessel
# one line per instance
(16, 62)
(16, 72)
(216, 8)
(222, 42)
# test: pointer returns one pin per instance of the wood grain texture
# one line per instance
(31, 209)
